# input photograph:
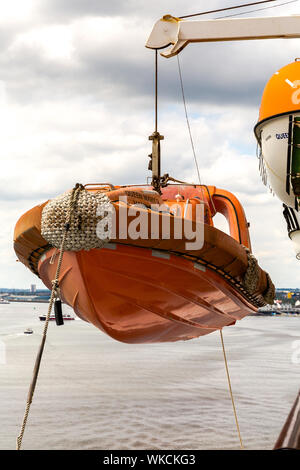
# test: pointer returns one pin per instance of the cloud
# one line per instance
(104, 57)
(76, 105)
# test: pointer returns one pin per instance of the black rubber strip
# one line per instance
(268, 119)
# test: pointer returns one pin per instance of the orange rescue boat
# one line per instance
(146, 263)
(150, 287)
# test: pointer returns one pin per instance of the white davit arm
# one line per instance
(178, 33)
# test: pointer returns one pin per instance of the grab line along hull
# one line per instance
(136, 296)
(151, 289)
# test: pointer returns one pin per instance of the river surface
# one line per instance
(96, 393)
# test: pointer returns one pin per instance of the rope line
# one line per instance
(187, 118)
(231, 394)
(224, 9)
(188, 125)
(254, 11)
(156, 89)
(221, 334)
(240, 6)
(54, 294)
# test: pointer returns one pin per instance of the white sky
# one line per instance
(76, 105)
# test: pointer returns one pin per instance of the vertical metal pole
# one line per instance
(156, 89)
(156, 138)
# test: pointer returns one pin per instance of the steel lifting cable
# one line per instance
(257, 9)
(221, 334)
(187, 119)
(240, 6)
(54, 294)
(189, 127)
(156, 89)
(225, 9)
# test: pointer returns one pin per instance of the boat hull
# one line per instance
(139, 295)
(153, 286)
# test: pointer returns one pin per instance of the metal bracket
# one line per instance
(154, 163)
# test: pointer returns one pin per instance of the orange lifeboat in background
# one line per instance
(151, 289)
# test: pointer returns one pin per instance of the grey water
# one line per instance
(96, 393)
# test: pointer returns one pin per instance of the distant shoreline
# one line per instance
(29, 301)
(274, 315)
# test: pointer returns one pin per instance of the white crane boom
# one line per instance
(176, 33)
